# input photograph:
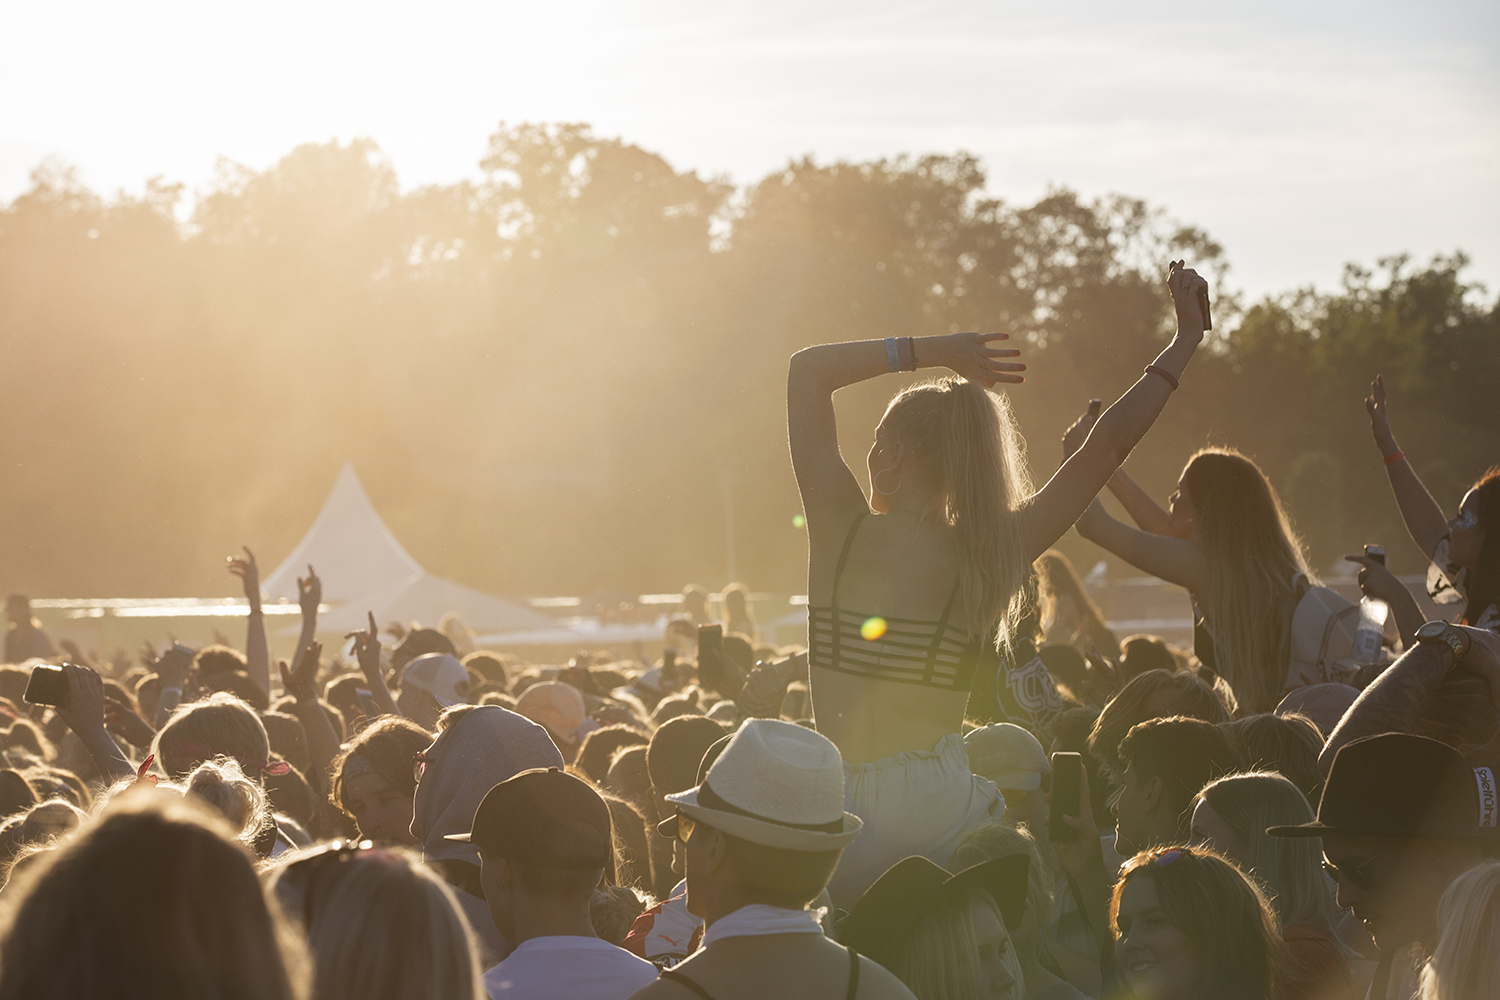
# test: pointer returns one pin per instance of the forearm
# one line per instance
(828, 367)
(322, 741)
(107, 757)
(1393, 702)
(1419, 511)
(257, 651)
(1144, 511)
(1121, 427)
(379, 693)
(1408, 615)
(308, 635)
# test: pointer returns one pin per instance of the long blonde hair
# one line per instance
(1253, 558)
(1466, 961)
(939, 959)
(1287, 868)
(964, 439)
(385, 929)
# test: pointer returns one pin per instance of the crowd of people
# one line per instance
(963, 786)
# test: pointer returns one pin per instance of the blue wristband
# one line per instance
(892, 356)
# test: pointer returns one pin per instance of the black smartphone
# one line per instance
(1208, 322)
(1095, 405)
(1067, 784)
(1375, 552)
(48, 686)
(711, 656)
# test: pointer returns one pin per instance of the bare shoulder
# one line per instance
(876, 982)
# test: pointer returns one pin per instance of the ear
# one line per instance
(716, 855)
(896, 449)
(1152, 791)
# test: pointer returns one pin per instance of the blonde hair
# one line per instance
(1289, 869)
(385, 929)
(939, 959)
(1466, 961)
(155, 894)
(996, 840)
(964, 439)
(1252, 557)
(220, 725)
(242, 802)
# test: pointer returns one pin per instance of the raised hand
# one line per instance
(1184, 283)
(367, 648)
(1376, 581)
(302, 680)
(1380, 424)
(970, 355)
(765, 688)
(249, 574)
(309, 592)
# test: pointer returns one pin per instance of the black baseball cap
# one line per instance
(544, 817)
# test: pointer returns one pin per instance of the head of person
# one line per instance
(380, 925)
(1156, 694)
(949, 448)
(1014, 760)
(1231, 817)
(1252, 557)
(1466, 961)
(766, 824)
(629, 778)
(1189, 925)
(600, 746)
(419, 642)
(1068, 613)
(1401, 817)
(431, 684)
(1167, 763)
(998, 840)
(221, 785)
(373, 781)
(484, 747)
(735, 603)
(342, 692)
(545, 844)
(220, 725)
(157, 894)
(488, 665)
(1140, 653)
(1287, 744)
(674, 753)
(1474, 544)
(944, 935)
(18, 609)
(695, 603)
(560, 709)
(1324, 704)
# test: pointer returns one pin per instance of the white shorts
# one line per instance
(919, 802)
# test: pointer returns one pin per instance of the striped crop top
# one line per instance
(904, 650)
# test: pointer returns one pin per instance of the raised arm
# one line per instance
(1144, 511)
(257, 653)
(1055, 508)
(309, 596)
(1424, 518)
(302, 683)
(830, 493)
(84, 714)
(1174, 560)
(367, 651)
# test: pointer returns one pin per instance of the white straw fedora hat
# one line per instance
(778, 785)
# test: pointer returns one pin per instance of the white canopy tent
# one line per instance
(364, 568)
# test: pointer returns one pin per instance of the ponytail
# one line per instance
(966, 437)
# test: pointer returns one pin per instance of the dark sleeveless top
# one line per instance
(676, 977)
(908, 651)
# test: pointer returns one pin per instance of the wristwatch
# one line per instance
(1440, 632)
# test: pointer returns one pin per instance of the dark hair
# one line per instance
(1181, 694)
(629, 779)
(1185, 754)
(599, 748)
(343, 694)
(389, 744)
(1145, 652)
(238, 683)
(632, 847)
(789, 879)
(676, 750)
(1484, 587)
(1069, 731)
(1230, 927)
(1287, 744)
(288, 738)
(490, 666)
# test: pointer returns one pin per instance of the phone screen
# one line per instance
(1067, 784)
(47, 686)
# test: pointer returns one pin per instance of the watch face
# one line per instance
(1432, 630)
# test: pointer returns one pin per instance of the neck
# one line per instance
(722, 904)
(549, 917)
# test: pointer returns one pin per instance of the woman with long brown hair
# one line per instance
(1225, 538)
(907, 586)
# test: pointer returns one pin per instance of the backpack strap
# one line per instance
(684, 981)
(853, 973)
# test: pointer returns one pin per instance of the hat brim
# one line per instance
(1322, 830)
(758, 831)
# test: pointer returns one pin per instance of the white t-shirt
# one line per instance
(568, 968)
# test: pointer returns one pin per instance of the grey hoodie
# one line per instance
(484, 747)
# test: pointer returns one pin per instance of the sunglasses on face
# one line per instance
(685, 826)
(314, 867)
(1356, 875)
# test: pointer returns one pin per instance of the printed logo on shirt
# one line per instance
(1489, 811)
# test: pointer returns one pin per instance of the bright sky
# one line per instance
(1300, 135)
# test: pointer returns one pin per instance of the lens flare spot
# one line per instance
(798, 521)
(873, 628)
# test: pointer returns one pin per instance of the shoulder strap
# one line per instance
(838, 570)
(682, 980)
(853, 973)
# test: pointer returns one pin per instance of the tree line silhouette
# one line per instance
(550, 377)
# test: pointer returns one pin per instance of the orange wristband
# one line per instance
(1394, 458)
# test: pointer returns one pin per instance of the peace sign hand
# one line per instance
(1380, 422)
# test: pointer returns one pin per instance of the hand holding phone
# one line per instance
(47, 686)
(1375, 553)
(1095, 405)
